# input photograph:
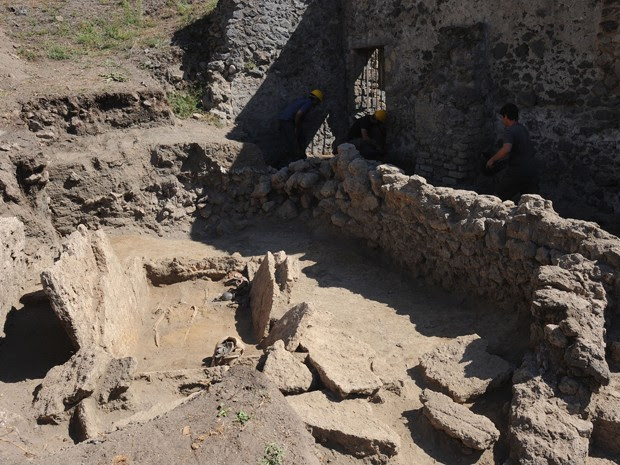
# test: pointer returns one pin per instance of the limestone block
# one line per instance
(117, 378)
(456, 420)
(348, 423)
(464, 368)
(99, 301)
(289, 374)
(606, 416)
(343, 362)
(66, 385)
(86, 421)
(290, 329)
(270, 291)
(542, 430)
(12, 265)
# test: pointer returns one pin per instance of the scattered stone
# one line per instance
(117, 378)
(292, 326)
(456, 420)
(66, 385)
(350, 424)
(464, 368)
(289, 374)
(86, 423)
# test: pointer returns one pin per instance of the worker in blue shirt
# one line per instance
(291, 126)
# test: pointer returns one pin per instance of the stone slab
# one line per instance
(288, 373)
(474, 431)
(464, 368)
(343, 362)
(99, 301)
(350, 424)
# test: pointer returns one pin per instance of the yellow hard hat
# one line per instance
(318, 94)
(381, 115)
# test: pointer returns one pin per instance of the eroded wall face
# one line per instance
(267, 54)
(449, 66)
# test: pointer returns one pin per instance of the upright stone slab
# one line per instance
(464, 368)
(349, 423)
(474, 431)
(293, 325)
(99, 301)
(12, 265)
(270, 292)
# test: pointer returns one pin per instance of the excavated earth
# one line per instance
(146, 241)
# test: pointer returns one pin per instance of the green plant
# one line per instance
(187, 102)
(27, 53)
(249, 65)
(58, 52)
(113, 76)
(242, 417)
(274, 455)
(222, 411)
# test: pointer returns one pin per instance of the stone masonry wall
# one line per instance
(558, 61)
(266, 54)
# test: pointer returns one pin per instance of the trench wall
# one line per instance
(449, 66)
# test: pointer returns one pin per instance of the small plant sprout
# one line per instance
(274, 455)
(222, 411)
(242, 417)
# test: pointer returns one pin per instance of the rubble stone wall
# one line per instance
(263, 55)
(450, 66)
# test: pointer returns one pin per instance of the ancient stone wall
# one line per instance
(266, 54)
(450, 66)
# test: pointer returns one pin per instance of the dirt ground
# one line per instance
(399, 317)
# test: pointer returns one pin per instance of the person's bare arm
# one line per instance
(501, 153)
(299, 116)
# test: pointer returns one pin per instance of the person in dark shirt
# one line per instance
(291, 126)
(520, 176)
(368, 135)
